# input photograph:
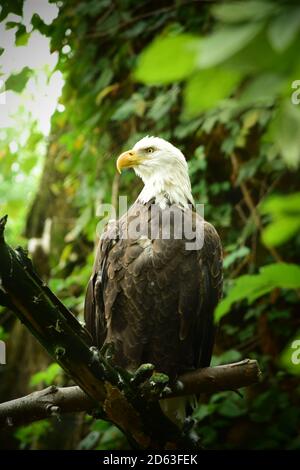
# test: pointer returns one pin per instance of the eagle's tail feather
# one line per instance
(176, 408)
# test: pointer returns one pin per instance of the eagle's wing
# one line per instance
(195, 279)
(200, 289)
(210, 292)
(94, 306)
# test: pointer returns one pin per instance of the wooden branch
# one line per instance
(53, 400)
(45, 403)
(213, 379)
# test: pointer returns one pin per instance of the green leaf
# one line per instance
(47, 376)
(105, 78)
(232, 407)
(285, 224)
(280, 231)
(263, 407)
(264, 89)
(283, 29)
(100, 426)
(227, 357)
(11, 25)
(168, 59)
(17, 82)
(22, 36)
(284, 131)
(9, 6)
(237, 254)
(204, 410)
(89, 441)
(278, 205)
(134, 106)
(236, 12)
(224, 43)
(39, 24)
(162, 104)
(27, 434)
(3, 334)
(249, 168)
(80, 225)
(251, 287)
(208, 87)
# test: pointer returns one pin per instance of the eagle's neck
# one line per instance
(173, 188)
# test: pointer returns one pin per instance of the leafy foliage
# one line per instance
(251, 287)
(285, 224)
(11, 7)
(103, 436)
(16, 82)
(46, 377)
(168, 59)
(27, 434)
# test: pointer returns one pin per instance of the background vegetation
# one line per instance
(218, 80)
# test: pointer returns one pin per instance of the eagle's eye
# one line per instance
(150, 150)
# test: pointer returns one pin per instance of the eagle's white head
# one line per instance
(163, 169)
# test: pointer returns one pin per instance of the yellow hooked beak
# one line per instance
(128, 159)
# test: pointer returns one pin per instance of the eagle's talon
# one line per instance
(143, 373)
(158, 379)
(124, 375)
(154, 386)
(188, 425)
(166, 392)
(108, 351)
(95, 354)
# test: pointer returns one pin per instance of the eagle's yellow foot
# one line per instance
(156, 386)
(143, 373)
(108, 351)
(158, 379)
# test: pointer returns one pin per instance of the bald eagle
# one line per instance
(151, 294)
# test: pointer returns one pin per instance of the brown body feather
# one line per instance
(153, 298)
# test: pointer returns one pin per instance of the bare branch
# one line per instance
(43, 404)
(53, 400)
(226, 377)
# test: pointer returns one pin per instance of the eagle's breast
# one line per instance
(151, 296)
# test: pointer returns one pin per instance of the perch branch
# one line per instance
(53, 400)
